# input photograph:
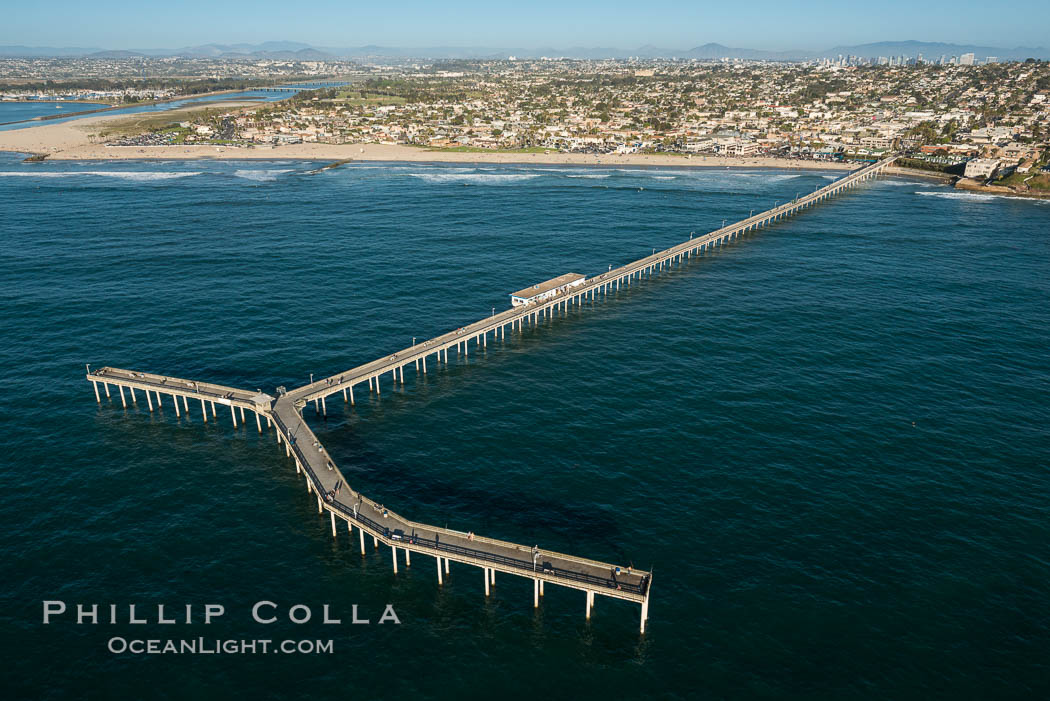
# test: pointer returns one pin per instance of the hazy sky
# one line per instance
(681, 24)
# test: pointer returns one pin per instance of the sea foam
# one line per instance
(135, 176)
(262, 176)
(475, 178)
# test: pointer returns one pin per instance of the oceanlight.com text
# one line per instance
(213, 646)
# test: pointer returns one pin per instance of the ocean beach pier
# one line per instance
(375, 524)
(283, 413)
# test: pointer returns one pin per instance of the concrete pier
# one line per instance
(382, 524)
(517, 317)
(333, 492)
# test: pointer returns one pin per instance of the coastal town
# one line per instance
(985, 121)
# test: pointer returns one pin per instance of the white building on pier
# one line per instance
(546, 290)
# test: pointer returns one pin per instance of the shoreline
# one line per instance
(87, 151)
(999, 190)
(422, 156)
(74, 141)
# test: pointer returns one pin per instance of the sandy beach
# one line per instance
(75, 140)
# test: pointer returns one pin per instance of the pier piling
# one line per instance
(323, 477)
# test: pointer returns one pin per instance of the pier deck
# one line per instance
(381, 523)
(207, 393)
(438, 347)
(334, 495)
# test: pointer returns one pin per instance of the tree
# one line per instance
(926, 130)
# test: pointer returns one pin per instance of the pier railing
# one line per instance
(396, 531)
(419, 351)
(176, 385)
(381, 531)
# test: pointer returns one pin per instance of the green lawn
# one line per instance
(919, 164)
(1036, 181)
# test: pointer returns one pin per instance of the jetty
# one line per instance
(283, 414)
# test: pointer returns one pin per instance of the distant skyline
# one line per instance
(760, 24)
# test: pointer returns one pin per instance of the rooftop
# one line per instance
(553, 283)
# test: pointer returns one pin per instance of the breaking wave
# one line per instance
(262, 176)
(475, 178)
(968, 196)
(135, 176)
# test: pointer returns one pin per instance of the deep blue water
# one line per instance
(828, 440)
(14, 111)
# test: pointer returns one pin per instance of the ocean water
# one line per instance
(829, 440)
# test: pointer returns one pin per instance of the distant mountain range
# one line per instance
(291, 50)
